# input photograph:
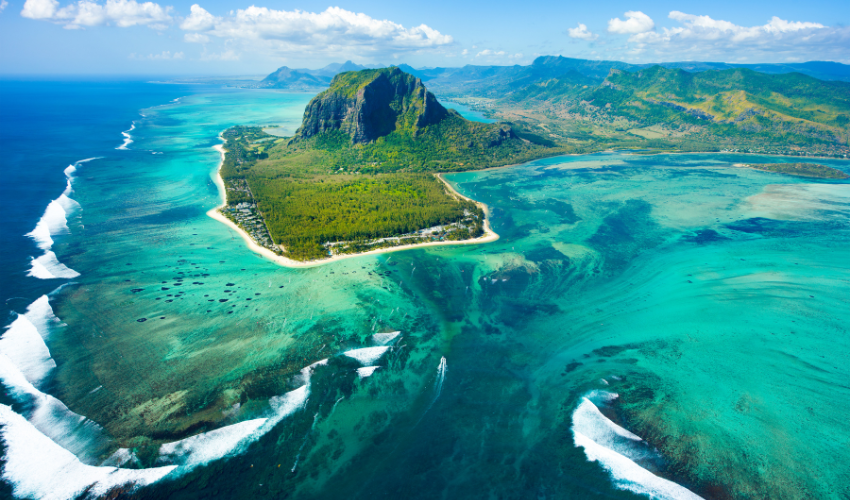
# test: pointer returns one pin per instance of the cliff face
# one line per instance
(370, 104)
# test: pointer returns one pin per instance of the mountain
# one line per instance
(496, 81)
(822, 70)
(286, 78)
(567, 84)
(788, 107)
(333, 69)
(369, 104)
(308, 79)
(731, 107)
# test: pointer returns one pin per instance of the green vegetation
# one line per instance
(671, 109)
(800, 170)
(309, 207)
(451, 145)
(351, 82)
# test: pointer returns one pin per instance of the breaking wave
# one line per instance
(25, 363)
(366, 371)
(128, 139)
(48, 267)
(619, 452)
(52, 223)
(23, 341)
(235, 439)
(367, 355)
(37, 467)
(384, 338)
(209, 446)
(52, 452)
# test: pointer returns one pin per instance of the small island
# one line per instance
(361, 174)
(811, 170)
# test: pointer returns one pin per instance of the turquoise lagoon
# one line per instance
(670, 326)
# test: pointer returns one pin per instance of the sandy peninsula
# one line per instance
(488, 236)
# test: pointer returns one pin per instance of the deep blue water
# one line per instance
(44, 127)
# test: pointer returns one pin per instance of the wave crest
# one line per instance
(618, 450)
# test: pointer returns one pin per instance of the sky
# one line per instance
(253, 37)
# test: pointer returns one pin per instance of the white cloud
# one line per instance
(699, 37)
(636, 22)
(581, 32)
(3, 5)
(84, 13)
(706, 28)
(198, 20)
(40, 9)
(335, 31)
(164, 56)
(499, 56)
(196, 38)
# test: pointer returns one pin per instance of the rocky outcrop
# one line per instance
(370, 104)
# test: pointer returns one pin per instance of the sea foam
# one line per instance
(48, 267)
(367, 355)
(77, 434)
(25, 362)
(617, 449)
(23, 342)
(54, 222)
(384, 338)
(37, 467)
(366, 371)
(128, 139)
(234, 439)
(209, 446)
(23, 348)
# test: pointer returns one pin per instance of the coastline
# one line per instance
(801, 158)
(488, 236)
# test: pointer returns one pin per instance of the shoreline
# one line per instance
(488, 236)
(719, 153)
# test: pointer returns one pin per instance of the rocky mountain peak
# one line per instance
(372, 103)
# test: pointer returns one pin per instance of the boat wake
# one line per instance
(441, 376)
(620, 452)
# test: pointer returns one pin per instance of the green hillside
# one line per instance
(710, 109)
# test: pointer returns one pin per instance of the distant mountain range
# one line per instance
(736, 104)
(309, 79)
(498, 80)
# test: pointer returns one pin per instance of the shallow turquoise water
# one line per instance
(467, 112)
(711, 299)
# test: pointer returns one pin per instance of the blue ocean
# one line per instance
(666, 326)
